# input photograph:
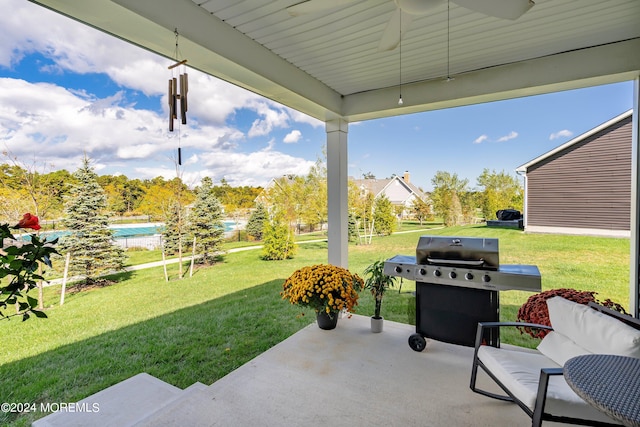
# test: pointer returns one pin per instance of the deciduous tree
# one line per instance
(447, 194)
(500, 191)
(421, 210)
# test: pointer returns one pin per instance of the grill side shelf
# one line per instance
(400, 266)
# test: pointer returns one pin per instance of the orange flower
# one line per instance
(323, 287)
(28, 221)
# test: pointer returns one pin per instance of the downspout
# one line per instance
(523, 173)
(634, 258)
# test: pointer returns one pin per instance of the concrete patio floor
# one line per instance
(344, 377)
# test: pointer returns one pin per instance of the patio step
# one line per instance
(189, 409)
(121, 405)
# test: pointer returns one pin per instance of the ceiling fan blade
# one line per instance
(418, 7)
(504, 9)
(313, 6)
(391, 36)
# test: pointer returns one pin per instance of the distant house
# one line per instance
(263, 196)
(584, 185)
(399, 190)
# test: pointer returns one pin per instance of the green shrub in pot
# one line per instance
(377, 282)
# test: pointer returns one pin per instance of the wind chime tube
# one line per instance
(179, 156)
(183, 100)
(170, 101)
(174, 88)
(186, 90)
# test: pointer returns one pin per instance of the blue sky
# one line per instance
(67, 89)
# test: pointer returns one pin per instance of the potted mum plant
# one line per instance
(325, 288)
(378, 283)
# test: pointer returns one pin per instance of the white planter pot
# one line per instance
(377, 324)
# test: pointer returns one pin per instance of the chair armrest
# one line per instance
(485, 325)
(541, 399)
(501, 324)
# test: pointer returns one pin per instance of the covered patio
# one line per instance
(346, 376)
(328, 63)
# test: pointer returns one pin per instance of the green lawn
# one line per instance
(201, 328)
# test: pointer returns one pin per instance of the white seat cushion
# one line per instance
(519, 372)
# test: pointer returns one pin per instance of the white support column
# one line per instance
(634, 259)
(337, 185)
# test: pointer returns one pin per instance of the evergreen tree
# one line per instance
(90, 241)
(384, 216)
(255, 225)
(174, 231)
(278, 239)
(205, 219)
(352, 227)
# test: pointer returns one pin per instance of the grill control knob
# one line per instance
(453, 275)
(437, 273)
(486, 278)
(422, 272)
(398, 269)
(468, 276)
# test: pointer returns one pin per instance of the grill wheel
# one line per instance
(417, 342)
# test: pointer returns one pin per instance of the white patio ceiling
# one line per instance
(327, 64)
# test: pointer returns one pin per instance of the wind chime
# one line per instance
(178, 88)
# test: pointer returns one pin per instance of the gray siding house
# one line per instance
(584, 185)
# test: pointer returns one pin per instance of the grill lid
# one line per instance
(473, 252)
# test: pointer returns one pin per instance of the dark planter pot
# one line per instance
(327, 320)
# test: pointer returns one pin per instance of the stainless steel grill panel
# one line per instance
(458, 280)
(506, 277)
(458, 251)
(469, 262)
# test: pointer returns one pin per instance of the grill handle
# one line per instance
(462, 262)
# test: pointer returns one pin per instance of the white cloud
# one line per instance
(271, 116)
(480, 139)
(292, 137)
(60, 125)
(213, 101)
(299, 117)
(47, 120)
(564, 133)
(75, 47)
(254, 168)
(511, 135)
(270, 145)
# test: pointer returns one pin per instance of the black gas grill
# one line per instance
(457, 284)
